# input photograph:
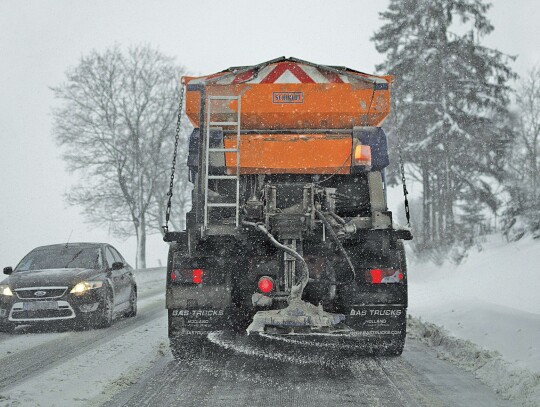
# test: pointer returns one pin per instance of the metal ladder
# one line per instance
(209, 124)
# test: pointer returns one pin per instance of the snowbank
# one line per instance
(519, 385)
(492, 300)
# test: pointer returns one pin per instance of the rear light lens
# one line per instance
(362, 155)
(266, 284)
(384, 276)
(194, 276)
(197, 276)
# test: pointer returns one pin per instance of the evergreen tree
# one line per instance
(522, 211)
(449, 91)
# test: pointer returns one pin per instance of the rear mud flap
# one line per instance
(197, 321)
(377, 322)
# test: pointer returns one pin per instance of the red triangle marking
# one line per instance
(244, 77)
(291, 67)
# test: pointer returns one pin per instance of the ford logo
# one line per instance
(40, 293)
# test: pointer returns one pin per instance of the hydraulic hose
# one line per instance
(299, 288)
(339, 219)
(338, 243)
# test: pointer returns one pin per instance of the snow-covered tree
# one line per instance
(116, 123)
(522, 213)
(450, 91)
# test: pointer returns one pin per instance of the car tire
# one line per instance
(105, 317)
(132, 310)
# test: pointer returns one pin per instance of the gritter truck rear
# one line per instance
(289, 232)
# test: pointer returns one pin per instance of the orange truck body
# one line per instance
(319, 104)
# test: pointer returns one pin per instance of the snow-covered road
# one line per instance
(129, 364)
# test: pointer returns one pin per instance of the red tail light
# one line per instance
(376, 276)
(197, 276)
(380, 276)
(266, 284)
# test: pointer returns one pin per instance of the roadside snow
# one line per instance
(80, 383)
(149, 279)
(492, 299)
(519, 385)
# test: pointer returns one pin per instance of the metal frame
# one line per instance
(207, 176)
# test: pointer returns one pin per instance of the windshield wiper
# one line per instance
(74, 257)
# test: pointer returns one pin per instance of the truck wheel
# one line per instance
(7, 327)
(391, 348)
(189, 348)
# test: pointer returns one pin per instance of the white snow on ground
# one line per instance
(493, 300)
(149, 279)
(93, 377)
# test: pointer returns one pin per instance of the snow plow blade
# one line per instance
(299, 317)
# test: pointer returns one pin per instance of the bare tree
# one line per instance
(116, 124)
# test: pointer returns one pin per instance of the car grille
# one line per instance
(42, 292)
(61, 310)
(42, 314)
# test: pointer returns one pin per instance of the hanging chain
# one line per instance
(173, 168)
(402, 169)
(405, 192)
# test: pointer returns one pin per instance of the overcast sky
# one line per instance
(40, 39)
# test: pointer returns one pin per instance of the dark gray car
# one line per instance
(86, 283)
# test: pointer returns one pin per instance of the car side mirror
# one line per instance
(117, 265)
(8, 270)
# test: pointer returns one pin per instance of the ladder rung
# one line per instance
(222, 177)
(223, 97)
(223, 123)
(224, 150)
(222, 205)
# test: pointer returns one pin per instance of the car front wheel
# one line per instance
(105, 317)
(132, 310)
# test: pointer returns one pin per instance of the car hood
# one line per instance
(50, 277)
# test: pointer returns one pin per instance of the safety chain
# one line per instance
(173, 169)
(402, 168)
(405, 192)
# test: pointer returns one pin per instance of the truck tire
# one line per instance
(380, 325)
(189, 348)
(7, 327)
(395, 347)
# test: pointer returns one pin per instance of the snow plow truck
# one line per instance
(289, 231)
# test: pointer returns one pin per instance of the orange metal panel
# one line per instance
(291, 153)
(297, 105)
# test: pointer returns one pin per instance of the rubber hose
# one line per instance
(338, 243)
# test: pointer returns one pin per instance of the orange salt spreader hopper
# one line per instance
(296, 117)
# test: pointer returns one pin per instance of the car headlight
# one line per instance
(84, 286)
(5, 290)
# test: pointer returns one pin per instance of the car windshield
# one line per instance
(60, 258)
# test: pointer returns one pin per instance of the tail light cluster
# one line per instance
(384, 276)
(266, 284)
(194, 276)
(362, 155)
